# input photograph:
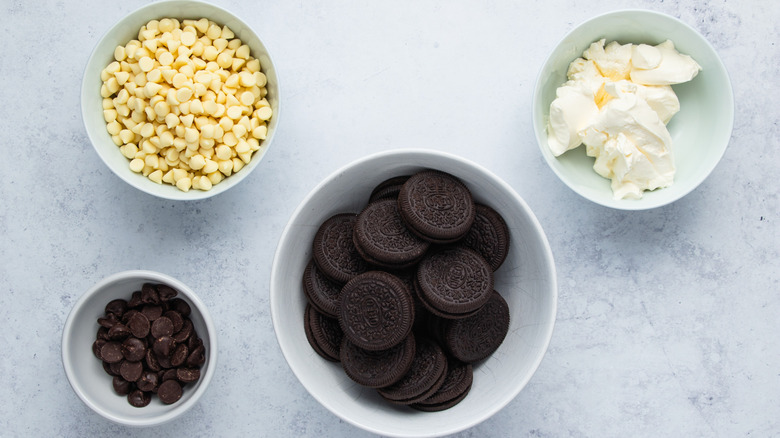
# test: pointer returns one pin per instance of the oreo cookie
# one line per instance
(377, 369)
(323, 333)
(477, 337)
(454, 281)
(333, 250)
(425, 377)
(436, 206)
(388, 189)
(381, 237)
(489, 236)
(376, 310)
(322, 292)
(456, 386)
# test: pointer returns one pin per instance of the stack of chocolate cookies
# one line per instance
(402, 294)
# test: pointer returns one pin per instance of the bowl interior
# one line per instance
(127, 29)
(526, 280)
(85, 372)
(700, 131)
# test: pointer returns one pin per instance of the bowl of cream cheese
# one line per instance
(633, 109)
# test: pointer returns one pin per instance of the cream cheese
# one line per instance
(617, 102)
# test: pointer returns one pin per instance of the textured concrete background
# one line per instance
(667, 320)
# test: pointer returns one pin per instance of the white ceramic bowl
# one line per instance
(526, 280)
(127, 29)
(700, 131)
(85, 372)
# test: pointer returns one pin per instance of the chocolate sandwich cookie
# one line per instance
(381, 237)
(489, 236)
(322, 292)
(425, 377)
(436, 206)
(323, 333)
(376, 310)
(388, 189)
(333, 249)
(477, 337)
(430, 309)
(455, 281)
(377, 369)
(456, 386)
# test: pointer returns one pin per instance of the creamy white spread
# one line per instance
(617, 101)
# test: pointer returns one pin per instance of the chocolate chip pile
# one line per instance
(402, 294)
(149, 345)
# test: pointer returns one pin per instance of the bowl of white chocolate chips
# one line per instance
(180, 99)
(633, 109)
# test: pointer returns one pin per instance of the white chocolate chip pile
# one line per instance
(185, 102)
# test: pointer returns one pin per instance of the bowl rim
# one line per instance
(547, 254)
(205, 378)
(192, 195)
(629, 204)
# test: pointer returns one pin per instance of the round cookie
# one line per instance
(322, 292)
(477, 337)
(376, 310)
(388, 189)
(489, 236)
(436, 206)
(456, 386)
(333, 250)
(377, 369)
(323, 333)
(425, 377)
(381, 237)
(455, 281)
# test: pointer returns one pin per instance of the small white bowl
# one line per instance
(700, 131)
(85, 372)
(526, 280)
(127, 29)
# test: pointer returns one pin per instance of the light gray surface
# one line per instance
(667, 321)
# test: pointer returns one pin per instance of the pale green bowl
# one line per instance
(700, 131)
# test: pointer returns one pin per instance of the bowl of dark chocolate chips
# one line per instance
(139, 348)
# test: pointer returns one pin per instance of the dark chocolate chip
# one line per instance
(179, 355)
(133, 349)
(108, 321)
(118, 332)
(116, 368)
(185, 332)
(96, 346)
(135, 300)
(176, 319)
(131, 371)
(166, 292)
(180, 306)
(149, 294)
(148, 381)
(102, 333)
(197, 357)
(162, 326)
(194, 341)
(186, 375)
(152, 311)
(111, 352)
(139, 325)
(121, 386)
(118, 307)
(169, 392)
(127, 315)
(107, 368)
(139, 398)
(163, 346)
(151, 360)
(169, 375)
